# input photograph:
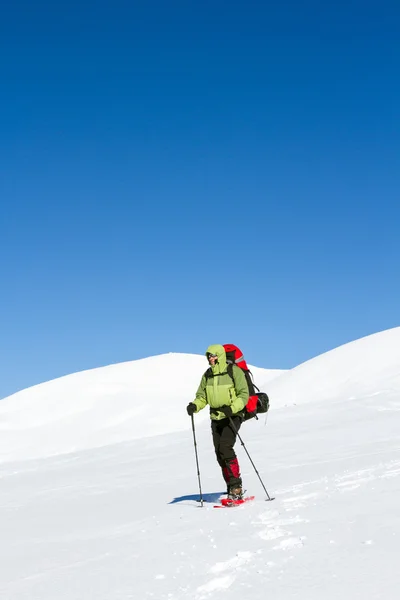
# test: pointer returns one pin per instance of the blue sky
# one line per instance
(176, 174)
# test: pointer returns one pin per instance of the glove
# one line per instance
(227, 410)
(191, 409)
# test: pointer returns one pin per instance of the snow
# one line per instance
(108, 405)
(368, 366)
(99, 486)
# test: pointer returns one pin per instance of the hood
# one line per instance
(220, 366)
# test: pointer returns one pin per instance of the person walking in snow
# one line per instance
(227, 398)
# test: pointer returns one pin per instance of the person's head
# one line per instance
(212, 358)
(216, 357)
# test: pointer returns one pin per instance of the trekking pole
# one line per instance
(197, 460)
(254, 466)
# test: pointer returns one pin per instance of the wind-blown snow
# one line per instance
(118, 519)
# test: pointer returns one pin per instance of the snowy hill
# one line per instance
(368, 366)
(119, 521)
(102, 406)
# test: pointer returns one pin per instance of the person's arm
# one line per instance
(201, 399)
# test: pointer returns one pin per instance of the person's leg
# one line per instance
(216, 430)
(227, 441)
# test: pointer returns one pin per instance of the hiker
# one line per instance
(227, 397)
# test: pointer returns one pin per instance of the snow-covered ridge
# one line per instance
(368, 366)
(147, 397)
(107, 405)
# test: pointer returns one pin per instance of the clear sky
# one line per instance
(176, 174)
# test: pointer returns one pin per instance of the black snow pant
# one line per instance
(224, 438)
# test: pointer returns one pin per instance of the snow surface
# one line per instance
(99, 486)
(103, 406)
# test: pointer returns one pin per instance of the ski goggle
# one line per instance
(209, 355)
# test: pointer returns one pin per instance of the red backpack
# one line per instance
(258, 402)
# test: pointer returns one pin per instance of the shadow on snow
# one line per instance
(213, 497)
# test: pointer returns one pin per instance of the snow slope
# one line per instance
(368, 366)
(121, 521)
(126, 401)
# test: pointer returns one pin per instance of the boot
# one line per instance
(235, 492)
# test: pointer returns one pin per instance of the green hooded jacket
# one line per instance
(222, 391)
